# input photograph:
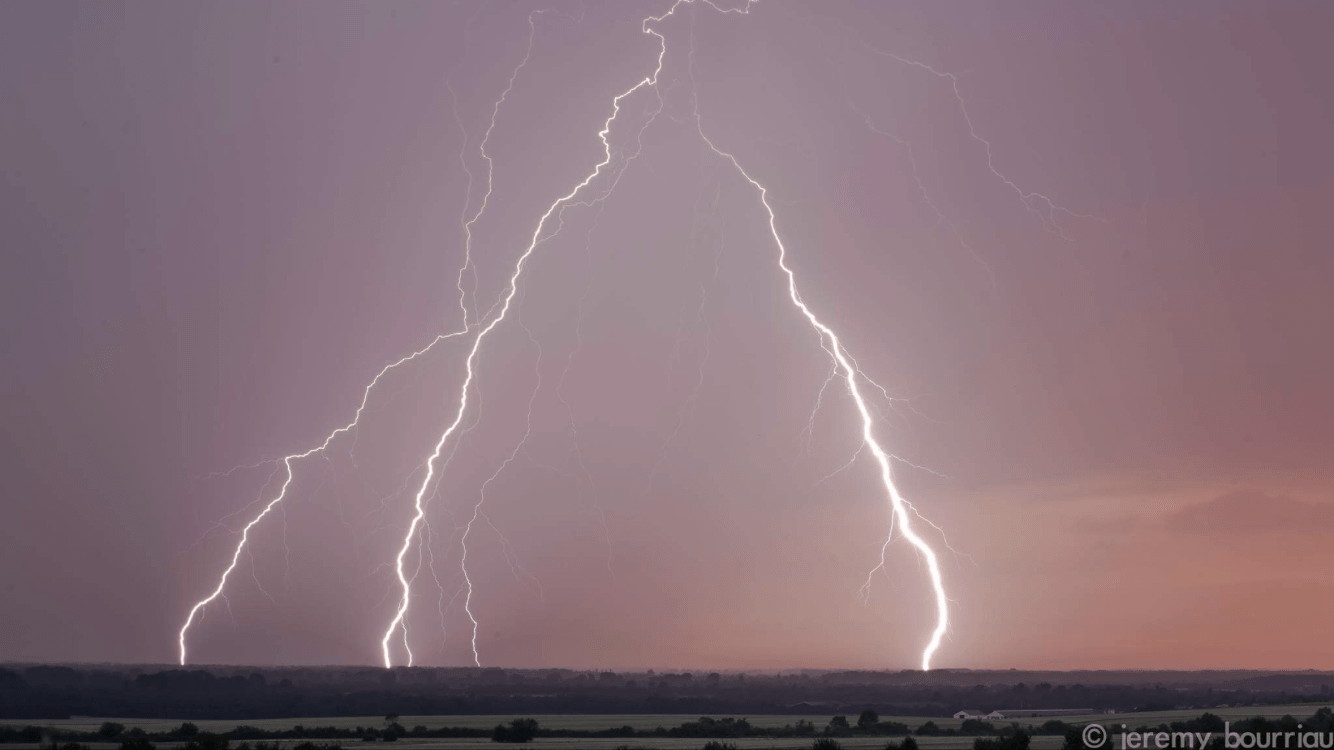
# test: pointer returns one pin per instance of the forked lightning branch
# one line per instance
(594, 189)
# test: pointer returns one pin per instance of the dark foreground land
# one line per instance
(1203, 732)
(253, 693)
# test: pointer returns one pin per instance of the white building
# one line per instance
(969, 713)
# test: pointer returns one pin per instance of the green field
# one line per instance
(666, 743)
(652, 721)
(1154, 718)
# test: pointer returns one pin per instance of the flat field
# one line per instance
(651, 721)
(666, 743)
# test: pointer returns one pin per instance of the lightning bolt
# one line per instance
(585, 193)
(898, 505)
(481, 500)
(829, 340)
(557, 207)
(287, 482)
(1037, 203)
(921, 187)
(468, 265)
(286, 461)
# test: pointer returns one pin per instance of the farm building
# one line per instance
(968, 713)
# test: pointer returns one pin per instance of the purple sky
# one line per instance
(221, 220)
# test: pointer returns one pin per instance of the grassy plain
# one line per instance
(652, 721)
(665, 743)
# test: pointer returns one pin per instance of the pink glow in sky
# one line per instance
(220, 221)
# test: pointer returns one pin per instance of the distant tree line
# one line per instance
(1012, 736)
(57, 692)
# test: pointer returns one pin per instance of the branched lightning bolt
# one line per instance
(287, 482)
(809, 430)
(234, 469)
(1038, 204)
(898, 505)
(606, 174)
(921, 187)
(464, 221)
(440, 603)
(468, 265)
(481, 500)
(900, 508)
(221, 523)
(504, 303)
(848, 465)
(828, 338)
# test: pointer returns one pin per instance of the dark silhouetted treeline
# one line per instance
(1011, 736)
(56, 692)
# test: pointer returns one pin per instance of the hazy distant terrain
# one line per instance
(232, 693)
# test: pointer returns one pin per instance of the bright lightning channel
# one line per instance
(899, 506)
(466, 266)
(829, 340)
(405, 585)
(901, 510)
(287, 481)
